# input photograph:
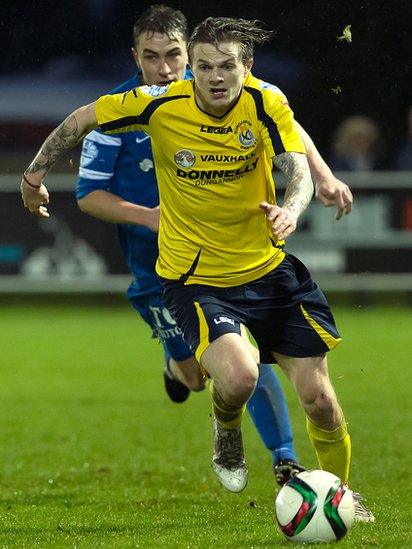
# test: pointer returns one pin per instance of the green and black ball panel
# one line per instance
(330, 508)
(307, 509)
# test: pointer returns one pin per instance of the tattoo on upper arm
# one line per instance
(299, 188)
(64, 137)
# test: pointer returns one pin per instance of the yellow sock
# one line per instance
(333, 448)
(228, 416)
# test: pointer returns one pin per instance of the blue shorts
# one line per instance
(154, 313)
(284, 310)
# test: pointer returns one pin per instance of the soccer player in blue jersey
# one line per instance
(116, 179)
(238, 273)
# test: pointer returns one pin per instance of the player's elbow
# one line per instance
(86, 118)
(84, 205)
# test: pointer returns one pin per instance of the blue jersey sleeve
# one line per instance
(97, 163)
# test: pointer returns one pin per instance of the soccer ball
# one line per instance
(314, 506)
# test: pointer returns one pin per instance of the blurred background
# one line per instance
(352, 96)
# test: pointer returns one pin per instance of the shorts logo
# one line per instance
(89, 153)
(185, 158)
(163, 325)
(224, 319)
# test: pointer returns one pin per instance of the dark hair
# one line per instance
(214, 30)
(161, 19)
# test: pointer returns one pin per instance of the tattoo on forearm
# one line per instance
(64, 137)
(299, 188)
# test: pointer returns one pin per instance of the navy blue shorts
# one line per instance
(154, 313)
(284, 310)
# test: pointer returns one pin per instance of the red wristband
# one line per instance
(31, 184)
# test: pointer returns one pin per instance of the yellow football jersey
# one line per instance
(212, 173)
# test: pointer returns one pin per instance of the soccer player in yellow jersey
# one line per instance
(221, 234)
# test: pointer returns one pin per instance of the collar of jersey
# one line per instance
(212, 115)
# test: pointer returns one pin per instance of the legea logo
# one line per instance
(222, 319)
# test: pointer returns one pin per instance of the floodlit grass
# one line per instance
(94, 454)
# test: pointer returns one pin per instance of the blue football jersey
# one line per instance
(123, 165)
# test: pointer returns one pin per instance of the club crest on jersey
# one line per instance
(89, 153)
(154, 91)
(185, 158)
(246, 137)
(245, 134)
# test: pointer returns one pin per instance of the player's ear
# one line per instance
(248, 66)
(135, 56)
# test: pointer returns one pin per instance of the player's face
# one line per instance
(218, 75)
(161, 60)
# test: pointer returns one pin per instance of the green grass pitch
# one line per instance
(93, 454)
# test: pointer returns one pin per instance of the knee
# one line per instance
(191, 375)
(322, 406)
(196, 384)
(241, 384)
(326, 411)
(318, 396)
(325, 401)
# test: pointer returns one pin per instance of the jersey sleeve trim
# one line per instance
(266, 120)
(98, 137)
(143, 118)
(93, 174)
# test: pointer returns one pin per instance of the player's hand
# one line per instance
(35, 197)
(283, 221)
(334, 192)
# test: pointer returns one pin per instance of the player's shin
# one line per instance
(333, 448)
(229, 417)
(268, 410)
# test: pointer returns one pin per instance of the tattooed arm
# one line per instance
(299, 191)
(70, 132)
(329, 190)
